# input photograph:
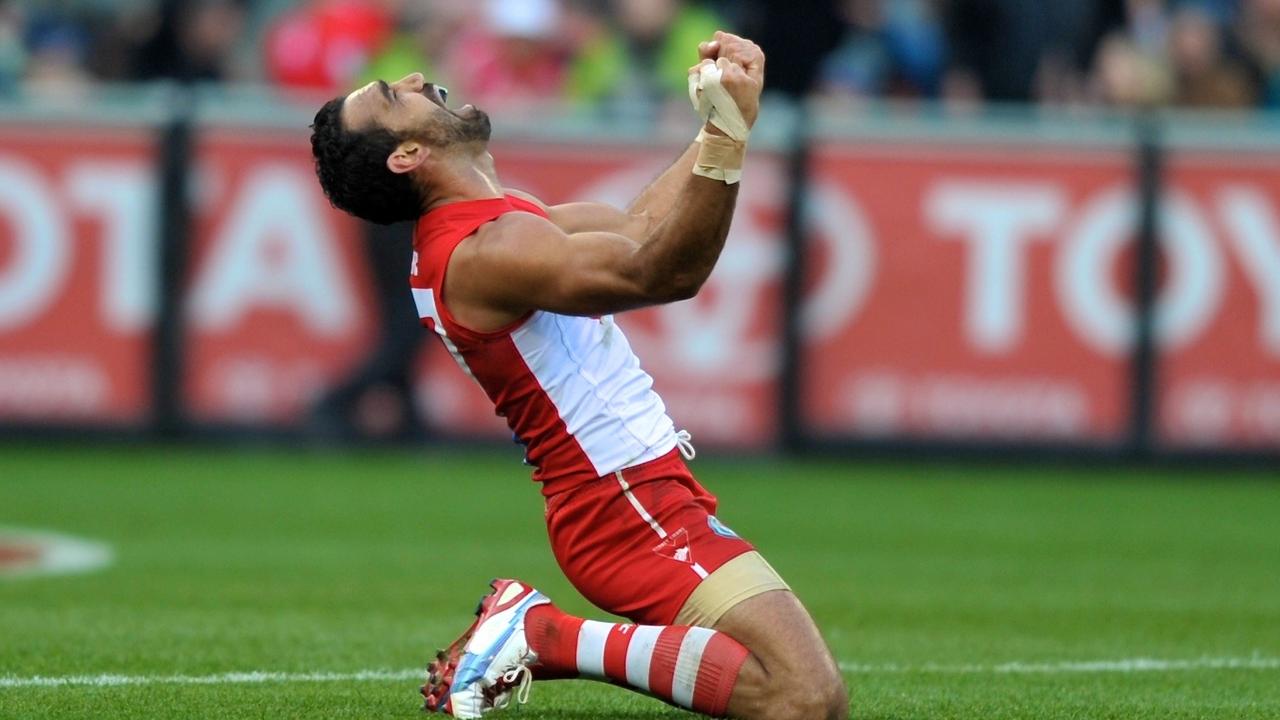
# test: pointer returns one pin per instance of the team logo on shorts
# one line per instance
(676, 547)
(720, 528)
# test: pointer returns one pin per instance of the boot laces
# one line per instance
(521, 677)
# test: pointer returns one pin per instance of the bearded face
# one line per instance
(413, 109)
(445, 129)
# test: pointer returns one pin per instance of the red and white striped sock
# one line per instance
(695, 668)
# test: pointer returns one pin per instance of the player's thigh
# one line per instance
(793, 658)
(642, 550)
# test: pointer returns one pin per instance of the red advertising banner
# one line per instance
(953, 292)
(1219, 327)
(278, 304)
(966, 293)
(714, 358)
(77, 274)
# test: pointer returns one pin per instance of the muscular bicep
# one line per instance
(587, 217)
(584, 217)
(527, 263)
(584, 273)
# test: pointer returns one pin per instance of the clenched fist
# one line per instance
(741, 63)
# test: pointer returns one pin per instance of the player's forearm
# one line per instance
(701, 188)
(645, 213)
(681, 251)
(656, 200)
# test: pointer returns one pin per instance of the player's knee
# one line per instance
(835, 700)
(818, 695)
(810, 706)
(830, 697)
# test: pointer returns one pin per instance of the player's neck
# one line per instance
(465, 177)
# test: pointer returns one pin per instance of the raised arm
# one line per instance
(653, 204)
(522, 262)
(658, 198)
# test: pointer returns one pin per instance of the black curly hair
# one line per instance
(352, 168)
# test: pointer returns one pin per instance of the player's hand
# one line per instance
(741, 63)
(744, 90)
(736, 49)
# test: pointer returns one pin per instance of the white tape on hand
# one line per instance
(713, 102)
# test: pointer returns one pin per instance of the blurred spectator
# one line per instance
(1125, 76)
(1147, 24)
(420, 43)
(192, 41)
(796, 37)
(13, 56)
(627, 54)
(207, 36)
(55, 62)
(1019, 50)
(511, 56)
(1258, 30)
(1223, 12)
(323, 45)
(640, 55)
(891, 47)
(1204, 75)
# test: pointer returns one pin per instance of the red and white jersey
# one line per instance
(569, 387)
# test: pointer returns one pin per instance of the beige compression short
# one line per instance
(739, 579)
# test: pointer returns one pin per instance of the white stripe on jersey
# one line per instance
(425, 299)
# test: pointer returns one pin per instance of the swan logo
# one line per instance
(676, 547)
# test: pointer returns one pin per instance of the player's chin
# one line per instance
(476, 121)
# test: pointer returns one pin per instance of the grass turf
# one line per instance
(302, 562)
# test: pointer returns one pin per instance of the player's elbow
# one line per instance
(659, 283)
(684, 286)
(675, 287)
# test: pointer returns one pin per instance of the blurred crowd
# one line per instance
(622, 53)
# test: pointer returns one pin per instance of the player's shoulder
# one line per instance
(527, 197)
(515, 226)
(508, 238)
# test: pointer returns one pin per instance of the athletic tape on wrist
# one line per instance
(719, 158)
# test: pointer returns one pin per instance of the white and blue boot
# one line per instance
(482, 669)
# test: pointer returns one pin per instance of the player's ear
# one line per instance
(407, 156)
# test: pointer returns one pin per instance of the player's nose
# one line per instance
(413, 82)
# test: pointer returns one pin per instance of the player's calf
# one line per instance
(694, 668)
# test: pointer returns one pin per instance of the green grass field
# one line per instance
(947, 591)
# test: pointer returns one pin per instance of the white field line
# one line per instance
(233, 678)
(1127, 665)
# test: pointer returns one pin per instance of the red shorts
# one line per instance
(638, 545)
